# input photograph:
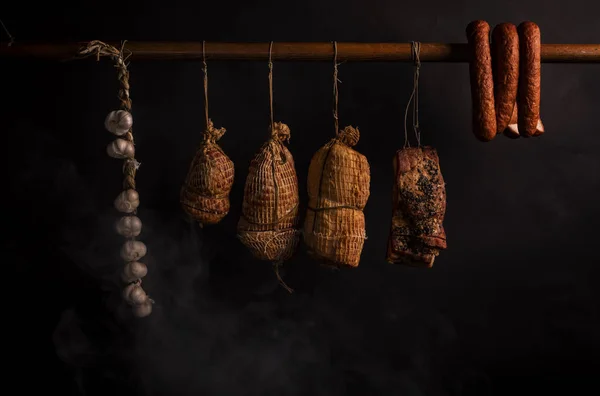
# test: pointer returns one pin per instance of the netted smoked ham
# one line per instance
(419, 204)
(205, 192)
(268, 225)
(338, 189)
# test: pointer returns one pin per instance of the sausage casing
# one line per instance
(505, 66)
(482, 82)
(512, 130)
(528, 98)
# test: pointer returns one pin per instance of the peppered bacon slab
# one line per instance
(419, 204)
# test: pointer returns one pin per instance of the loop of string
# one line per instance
(271, 85)
(335, 89)
(414, 97)
(276, 266)
(211, 134)
(205, 70)
(10, 37)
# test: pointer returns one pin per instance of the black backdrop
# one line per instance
(511, 307)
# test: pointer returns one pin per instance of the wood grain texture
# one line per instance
(297, 51)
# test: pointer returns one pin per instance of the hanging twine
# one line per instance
(279, 133)
(273, 133)
(119, 57)
(276, 266)
(414, 97)
(10, 37)
(211, 134)
(205, 71)
(335, 89)
(271, 84)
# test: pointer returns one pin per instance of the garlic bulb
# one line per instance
(138, 296)
(118, 122)
(120, 149)
(127, 201)
(129, 226)
(133, 271)
(135, 295)
(127, 290)
(133, 250)
(143, 310)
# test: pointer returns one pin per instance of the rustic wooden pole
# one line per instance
(323, 51)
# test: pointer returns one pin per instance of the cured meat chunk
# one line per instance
(419, 204)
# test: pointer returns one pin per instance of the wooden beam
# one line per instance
(323, 51)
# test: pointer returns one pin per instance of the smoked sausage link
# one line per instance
(512, 131)
(528, 99)
(482, 82)
(505, 66)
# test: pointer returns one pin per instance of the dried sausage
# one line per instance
(505, 58)
(528, 99)
(482, 83)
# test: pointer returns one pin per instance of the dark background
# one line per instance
(511, 307)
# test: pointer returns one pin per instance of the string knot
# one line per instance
(349, 136)
(415, 52)
(280, 132)
(212, 134)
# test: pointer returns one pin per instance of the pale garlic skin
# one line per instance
(127, 201)
(138, 296)
(129, 226)
(134, 271)
(121, 149)
(118, 122)
(133, 250)
(143, 310)
(134, 294)
(127, 290)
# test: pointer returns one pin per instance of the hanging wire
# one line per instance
(10, 37)
(335, 88)
(205, 70)
(271, 84)
(414, 97)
